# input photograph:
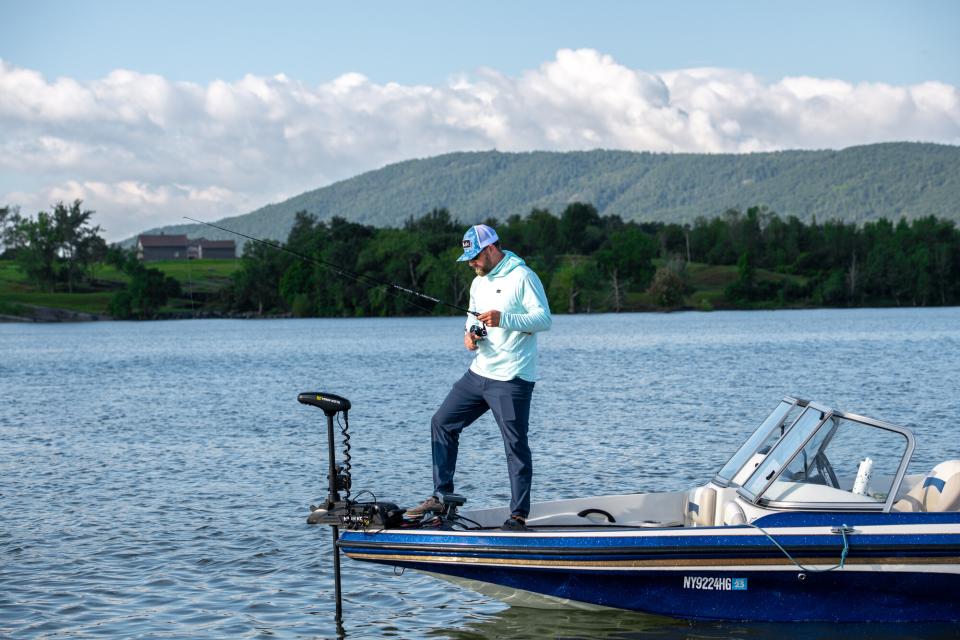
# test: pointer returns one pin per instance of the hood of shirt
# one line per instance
(510, 262)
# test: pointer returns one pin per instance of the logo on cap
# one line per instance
(467, 244)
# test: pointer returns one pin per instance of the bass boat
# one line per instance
(814, 518)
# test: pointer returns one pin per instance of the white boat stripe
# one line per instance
(904, 529)
(788, 567)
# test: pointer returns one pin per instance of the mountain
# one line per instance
(857, 184)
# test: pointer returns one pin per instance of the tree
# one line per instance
(38, 255)
(742, 290)
(340, 242)
(535, 237)
(57, 247)
(437, 230)
(673, 240)
(667, 288)
(296, 286)
(79, 244)
(627, 257)
(10, 238)
(446, 279)
(256, 282)
(148, 288)
(574, 283)
(832, 291)
(580, 230)
(941, 243)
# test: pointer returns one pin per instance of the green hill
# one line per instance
(857, 184)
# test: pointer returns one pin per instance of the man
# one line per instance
(513, 309)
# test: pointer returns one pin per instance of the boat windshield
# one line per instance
(833, 458)
(749, 455)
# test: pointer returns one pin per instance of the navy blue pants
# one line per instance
(469, 399)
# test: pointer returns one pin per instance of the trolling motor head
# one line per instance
(330, 403)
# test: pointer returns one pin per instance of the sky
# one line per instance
(152, 111)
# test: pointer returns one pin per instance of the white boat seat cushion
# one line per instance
(702, 506)
(938, 491)
(733, 514)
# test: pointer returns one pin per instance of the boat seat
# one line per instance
(733, 514)
(938, 491)
(702, 507)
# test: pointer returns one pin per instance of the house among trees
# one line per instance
(180, 247)
(203, 248)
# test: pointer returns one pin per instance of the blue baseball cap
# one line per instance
(475, 239)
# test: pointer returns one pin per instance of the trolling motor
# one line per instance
(345, 512)
(340, 511)
(338, 477)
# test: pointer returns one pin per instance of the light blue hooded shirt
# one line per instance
(510, 350)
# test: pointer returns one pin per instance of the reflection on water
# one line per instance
(155, 477)
(532, 624)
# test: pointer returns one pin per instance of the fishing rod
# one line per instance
(359, 277)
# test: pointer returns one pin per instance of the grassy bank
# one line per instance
(709, 282)
(202, 278)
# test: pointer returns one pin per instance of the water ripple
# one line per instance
(155, 477)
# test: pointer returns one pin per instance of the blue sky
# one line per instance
(216, 108)
(425, 42)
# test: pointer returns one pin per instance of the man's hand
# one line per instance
(490, 318)
(470, 341)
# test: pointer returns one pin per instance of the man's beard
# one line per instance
(480, 271)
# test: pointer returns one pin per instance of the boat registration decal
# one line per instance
(711, 583)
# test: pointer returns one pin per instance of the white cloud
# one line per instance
(143, 150)
(134, 206)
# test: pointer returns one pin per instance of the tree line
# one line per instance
(915, 263)
(590, 262)
(60, 250)
(586, 261)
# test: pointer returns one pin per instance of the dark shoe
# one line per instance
(430, 505)
(515, 523)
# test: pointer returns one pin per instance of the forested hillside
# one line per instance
(590, 263)
(855, 185)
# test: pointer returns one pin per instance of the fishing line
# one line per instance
(843, 552)
(359, 277)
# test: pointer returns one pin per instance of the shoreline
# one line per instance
(54, 315)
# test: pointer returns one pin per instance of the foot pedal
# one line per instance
(450, 502)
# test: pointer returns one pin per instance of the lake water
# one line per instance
(155, 477)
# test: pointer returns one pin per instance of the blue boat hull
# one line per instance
(768, 596)
(899, 567)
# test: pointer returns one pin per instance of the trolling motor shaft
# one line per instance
(338, 477)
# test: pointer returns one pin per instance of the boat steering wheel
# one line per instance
(825, 469)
